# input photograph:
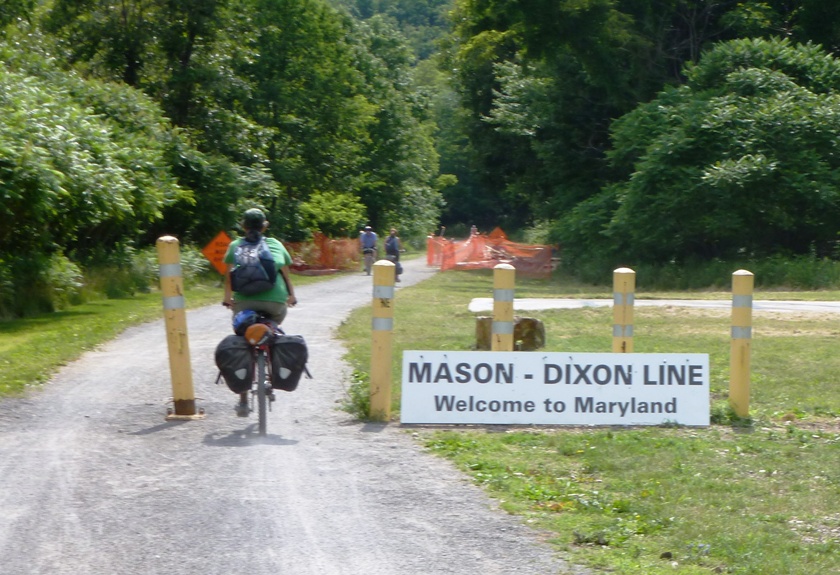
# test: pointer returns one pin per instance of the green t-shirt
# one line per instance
(278, 293)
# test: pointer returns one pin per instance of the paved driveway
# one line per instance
(531, 304)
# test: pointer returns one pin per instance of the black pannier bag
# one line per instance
(235, 362)
(288, 361)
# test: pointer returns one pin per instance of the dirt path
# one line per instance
(95, 481)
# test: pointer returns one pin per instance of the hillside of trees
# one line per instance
(560, 105)
(626, 131)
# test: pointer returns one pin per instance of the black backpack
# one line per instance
(254, 270)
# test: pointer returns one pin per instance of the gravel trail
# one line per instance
(95, 481)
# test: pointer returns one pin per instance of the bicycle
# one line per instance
(370, 257)
(260, 361)
(259, 336)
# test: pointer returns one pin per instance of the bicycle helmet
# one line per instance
(243, 320)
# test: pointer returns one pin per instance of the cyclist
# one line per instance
(393, 247)
(274, 301)
(368, 239)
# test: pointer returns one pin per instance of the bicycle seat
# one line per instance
(257, 333)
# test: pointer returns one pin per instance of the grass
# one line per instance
(664, 500)
(33, 349)
(742, 497)
(758, 496)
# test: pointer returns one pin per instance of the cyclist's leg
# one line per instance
(368, 262)
(242, 408)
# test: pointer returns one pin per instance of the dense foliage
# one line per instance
(421, 22)
(741, 160)
(170, 117)
(291, 88)
(84, 167)
(640, 132)
(541, 83)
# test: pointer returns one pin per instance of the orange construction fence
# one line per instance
(324, 255)
(481, 251)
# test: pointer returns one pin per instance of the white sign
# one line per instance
(517, 387)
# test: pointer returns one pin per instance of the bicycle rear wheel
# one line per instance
(262, 399)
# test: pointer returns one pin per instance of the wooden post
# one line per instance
(624, 287)
(739, 360)
(382, 336)
(504, 279)
(172, 289)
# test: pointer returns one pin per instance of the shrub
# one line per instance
(790, 272)
(64, 282)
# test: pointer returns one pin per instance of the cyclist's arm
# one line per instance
(292, 301)
(284, 260)
(227, 300)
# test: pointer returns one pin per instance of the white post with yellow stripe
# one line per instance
(739, 360)
(504, 280)
(180, 369)
(381, 361)
(624, 287)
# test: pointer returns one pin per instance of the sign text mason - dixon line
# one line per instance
(568, 374)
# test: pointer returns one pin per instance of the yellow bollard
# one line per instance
(172, 289)
(383, 326)
(504, 279)
(624, 287)
(739, 359)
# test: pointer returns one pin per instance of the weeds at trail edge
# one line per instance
(357, 400)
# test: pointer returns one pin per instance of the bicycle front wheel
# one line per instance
(262, 399)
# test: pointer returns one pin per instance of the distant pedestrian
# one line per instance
(393, 247)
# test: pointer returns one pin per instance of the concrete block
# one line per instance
(528, 333)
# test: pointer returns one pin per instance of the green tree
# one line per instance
(739, 162)
(542, 81)
(420, 22)
(112, 42)
(306, 94)
(335, 215)
(400, 160)
(288, 88)
(83, 166)
(12, 10)
(179, 53)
